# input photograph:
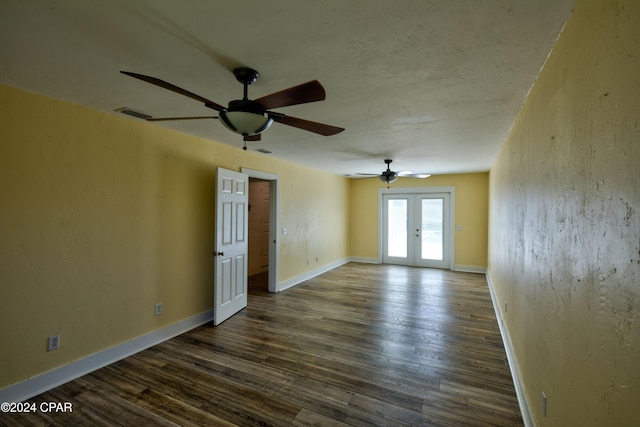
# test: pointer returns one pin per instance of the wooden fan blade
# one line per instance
(415, 175)
(410, 174)
(176, 89)
(368, 174)
(319, 128)
(306, 92)
(161, 119)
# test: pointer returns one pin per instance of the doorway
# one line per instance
(416, 228)
(258, 252)
(263, 226)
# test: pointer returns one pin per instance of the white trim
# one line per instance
(513, 363)
(416, 190)
(470, 268)
(40, 383)
(311, 274)
(364, 260)
(274, 202)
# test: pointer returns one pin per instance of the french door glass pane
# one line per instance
(397, 214)
(432, 232)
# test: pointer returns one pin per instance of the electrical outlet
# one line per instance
(158, 309)
(544, 405)
(53, 342)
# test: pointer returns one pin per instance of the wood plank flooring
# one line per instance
(361, 345)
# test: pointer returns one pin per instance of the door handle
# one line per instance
(219, 253)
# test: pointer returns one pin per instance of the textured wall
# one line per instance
(564, 245)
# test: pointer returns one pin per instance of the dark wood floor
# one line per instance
(360, 345)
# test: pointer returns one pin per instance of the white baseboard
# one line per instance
(457, 267)
(513, 364)
(365, 260)
(310, 274)
(470, 268)
(40, 383)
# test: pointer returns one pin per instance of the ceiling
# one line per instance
(434, 85)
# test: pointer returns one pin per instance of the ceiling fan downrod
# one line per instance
(246, 76)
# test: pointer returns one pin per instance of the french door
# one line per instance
(417, 229)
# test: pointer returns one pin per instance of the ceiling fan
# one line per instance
(390, 176)
(251, 117)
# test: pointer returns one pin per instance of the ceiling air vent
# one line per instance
(133, 113)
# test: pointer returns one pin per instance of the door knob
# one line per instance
(219, 253)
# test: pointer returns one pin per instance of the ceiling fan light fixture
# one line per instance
(245, 123)
(388, 178)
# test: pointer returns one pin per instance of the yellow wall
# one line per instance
(564, 247)
(103, 216)
(471, 213)
(315, 213)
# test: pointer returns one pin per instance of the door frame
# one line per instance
(274, 202)
(418, 190)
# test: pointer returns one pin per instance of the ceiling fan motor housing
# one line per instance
(245, 105)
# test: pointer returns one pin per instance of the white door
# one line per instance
(416, 229)
(230, 252)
